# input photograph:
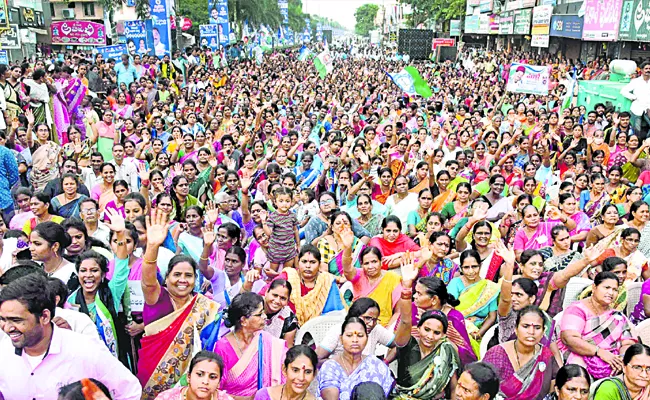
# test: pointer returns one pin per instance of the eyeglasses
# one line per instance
(368, 319)
(88, 210)
(326, 202)
(640, 368)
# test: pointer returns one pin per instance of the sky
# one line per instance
(341, 11)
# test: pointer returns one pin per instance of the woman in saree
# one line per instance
(107, 134)
(332, 246)
(433, 222)
(339, 375)
(532, 187)
(526, 367)
(402, 202)
(420, 180)
(610, 217)
(444, 195)
(477, 296)
(103, 193)
(253, 358)
(638, 218)
(121, 108)
(318, 293)
(392, 243)
(182, 200)
(512, 221)
(480, 237)
(614, 187)
(427, 365)
(67, 203)
(627, 248)
(38, 89)
(618, 267)
(593, 200)
(185, 151)
(430, 294)
(535, 234)
(571, 383)
(457, 209)
(367, 277)
(416, 219)
(203, 379)
(560, 255)
(434, 258)
(634, 381)
(100, 297)
(628, 160)
(78, 149)
(299, 368)
(45, 157)
(40, 204)
(632, 194)
(368, 219)
(172, 314)
(593, 334)
(499, 204)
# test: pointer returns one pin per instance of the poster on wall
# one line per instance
(160, 28)
(601, 20)
(635, 21)
(209, 35)
(4, 15)
(219, 16)
(115, 51)
(524, 78)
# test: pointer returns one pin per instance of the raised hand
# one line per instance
(157, 228)
(593, 252)
(77, 146)
(212, 160)
(209, 235)
(116, 223)
(29, 114)
(507, 254)
(408, 269)
(143, 173)
(347, 238)
(211, 212)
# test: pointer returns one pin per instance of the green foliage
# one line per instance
(425, 11)
(365, 16)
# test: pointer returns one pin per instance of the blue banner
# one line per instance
(4, 58)
(138, 35)
(568, 26)
(160, 28)
(209, 36)
(284, 11)
(115, 51)
(319, 32)
(306, 34)
(219, 16)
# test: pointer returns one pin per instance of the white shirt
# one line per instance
(638, 90)
(128, 172)
(79, 322)
(90, 179)
(102, 233)
(65, 272)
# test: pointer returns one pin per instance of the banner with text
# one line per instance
(601, 20)
(524, 78)
(161, 42)
(635, 21)
(83, 33)
(209, 36)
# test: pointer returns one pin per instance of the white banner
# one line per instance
(524, 78)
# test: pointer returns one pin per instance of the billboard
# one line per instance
(602, 18)
(161, 42)
(83, 33)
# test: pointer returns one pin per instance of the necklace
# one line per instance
(187, 390)
(49, 274)
(517, 354)
(241, 351)
(282, 393)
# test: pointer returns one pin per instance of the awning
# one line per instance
(39, 31)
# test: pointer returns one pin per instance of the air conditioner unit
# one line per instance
(68, 13)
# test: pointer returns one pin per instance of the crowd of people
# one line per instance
(172, 228)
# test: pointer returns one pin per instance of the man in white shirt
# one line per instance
(89, 212)
(92, 175)
(638, 90)
(124, 170)
(40, 357)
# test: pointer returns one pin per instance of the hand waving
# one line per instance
(116, 223)
(347, 238)
(408, 270)
(507, 254)
(157, 228)
(211, 212)
(209, 236)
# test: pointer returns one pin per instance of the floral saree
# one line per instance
(427, 377)
(169, 344)
(324, 297)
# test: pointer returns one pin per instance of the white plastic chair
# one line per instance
(643, 331)
(633, 296)
(318, 327)
(486, 340)
(574, 287)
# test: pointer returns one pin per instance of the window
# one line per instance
(89, 9)
(52, 10)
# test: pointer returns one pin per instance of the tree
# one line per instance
(424, 11)
(365, 16)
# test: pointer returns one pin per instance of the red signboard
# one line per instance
(443, 42)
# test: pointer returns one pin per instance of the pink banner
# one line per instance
(601, 20)
(78, 33)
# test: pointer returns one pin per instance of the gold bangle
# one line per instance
(150, 261)
(204, 259)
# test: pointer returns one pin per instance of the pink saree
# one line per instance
(259, 366)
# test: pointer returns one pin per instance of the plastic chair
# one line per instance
(318, 327)
(643, 331)
(574, 287)
(633, 296)
(486, 340)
